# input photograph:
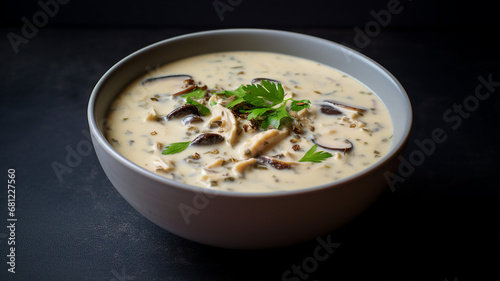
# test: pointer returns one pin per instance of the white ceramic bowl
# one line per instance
(247, 220)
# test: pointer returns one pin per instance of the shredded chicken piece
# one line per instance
(157, 146)
(161, 165)
(288, 94)
(217, 163)
(229, 125)
(261, 142)
(360, 124)
(240, 167)
(305, 113)
(151, 116)
(215, 98)
(249, 126)
(212, 177)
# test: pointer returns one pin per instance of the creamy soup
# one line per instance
(249, 122)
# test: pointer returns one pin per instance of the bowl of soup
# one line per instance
(249, 138)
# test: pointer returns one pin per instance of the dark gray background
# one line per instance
(255, 13)
(440, 224)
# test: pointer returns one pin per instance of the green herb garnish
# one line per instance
(266, 95)
(315, 157)
(238, 93)
(298, 105)
(201, 108)
(264, 103)
(197, 94)
(176, 147)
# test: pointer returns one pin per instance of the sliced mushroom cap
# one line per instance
(189, 119)
(175, 77)
(326, 143)
(259, 80)
(328, 109)
(341, 106)
(275, 163)
(183, 111)
(187, 89)
(175, 85)
(207, 139)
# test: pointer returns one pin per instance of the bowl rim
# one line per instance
(100, 138)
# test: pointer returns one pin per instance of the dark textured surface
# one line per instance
(441, 223)
(254, 13)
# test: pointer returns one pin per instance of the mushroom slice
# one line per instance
(187, 89)
(275, 163)
(177, 84)
(341, 106)
(191, 119)
(259, 80)
(178, 77)
(228, 127)
(328, 109)
(344, 146)
(261, 142)
(207, 139)
(183, 111)
(240, 167)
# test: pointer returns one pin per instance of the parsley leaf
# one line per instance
(239, 93)
(258, 113)
(201, 108)
(277, 118)
(298, 105)
(315, 157)
(176, 147)
(266, 95)
(197, 94)
(235, 102)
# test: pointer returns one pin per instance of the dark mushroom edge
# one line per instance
(192, 118)
(275, 163)
(183, 111)
(257, 80)
(344, 146)
(152, 79)
(340, 106)
(207, 139)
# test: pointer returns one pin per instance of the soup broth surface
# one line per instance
(345, 119)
